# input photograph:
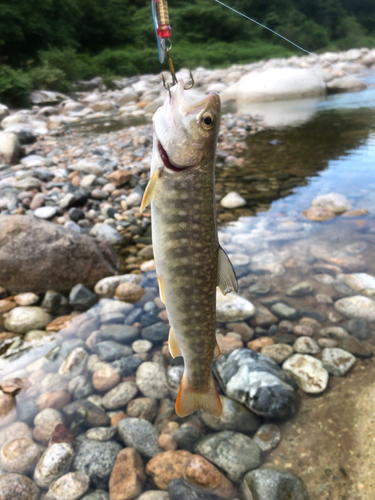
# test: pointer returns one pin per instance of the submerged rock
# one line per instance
(257, 382)
(269, 484)
(308, 372)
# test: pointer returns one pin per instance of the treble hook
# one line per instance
(167, 86)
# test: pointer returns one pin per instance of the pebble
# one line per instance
(359, 282)
(308, 372)
(229, 342)
(105, 378)
(24, 319)
(360, 329)
(96, 459)
(201, 472)
(332, 202)
(357, 307)
(8, 412)
(45, 212)
(54, 463)
(55, 399)
(277, 352)
(337, 361)
(234, 417)
(284, 311)
(14, 431)
(145, 408)
(106, 287)
(108, 350)
(264, 317)
(71, 486)
(129, 292)
(232, 307)
(166, 438)
(120, 395)
(322, 343)
(107, 233)
(257, 344)
(158, 332)
(20, 455)
(101, 433)
(299, 290)
(306, 345)
(127, 476)
(181, 488)
(333, 332)
(270, 484)
(355, 346)
(303, 330)
(141, 346)
(74, 364)
(120, 333)
(18, 486)
(154, 495)
(141, 435)
(232, 200)
(26, 299)
(167, 466)
(233, 452)
(151, 379)
(267, 437)
(97, 495)
(186, 437)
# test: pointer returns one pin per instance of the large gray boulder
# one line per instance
(37, 255)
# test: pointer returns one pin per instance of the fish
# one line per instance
(189, 260)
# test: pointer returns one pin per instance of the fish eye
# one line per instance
(208, 120)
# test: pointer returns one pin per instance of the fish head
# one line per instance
(186, 128)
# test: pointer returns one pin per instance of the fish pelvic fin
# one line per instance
(189, 401)
(174, 348)
(150, 189)
(226, 277)
(161, 289)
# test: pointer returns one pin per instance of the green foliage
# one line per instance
(15, 86)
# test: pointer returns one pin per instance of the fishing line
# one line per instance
(287, 40)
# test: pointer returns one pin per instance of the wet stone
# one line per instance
(356, 347)
(277, 352)
(128, 475)
(81, 298)
(267, 390)
(181, 488)
(79, 387)
(269, 484)
(306, 345)
(144, 408)
(24, 319)
(303, 330)
(323, 343)
(158, 332)
(234, 417)
(186, 437)
(119, 396)
(141, 435)
(167, 466)
(299, 290)
(96, 459)
(105, 378)
(94, 415)
(101, 433)
(74, 363)
(109, 350)
(151, 380)
(127, 366)
(337, 361)
(20, 455)
(357, 307)
(333, 332)
(360, 329)
(71, 486)
(267, 437)
(233, 452)
(18, 486)
(54, 463)
(232, 307)
(284, 311)
(308, 372)
(96, 495)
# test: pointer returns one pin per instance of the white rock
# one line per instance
(10, 148)
(128, 95)
(332, 202)
(308, 372)
(33, 161)
(88, 180)
(359, 282)
(45, 212)
(105, 232)
(345, 84)
(337, 361)
(232, 200)
(151, 380)
(46, 96)
(55, 462)
(24, 319)
(107, 286)
(274, 84)
(87, 167)
(4, 111)
(356, 306)
(232, 307)
(306, 345)
(133, 200)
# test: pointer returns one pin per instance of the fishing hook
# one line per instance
(167, 86)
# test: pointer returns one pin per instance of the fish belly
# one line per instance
(186, 255)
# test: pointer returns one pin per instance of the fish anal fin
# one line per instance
(174, 348)
(161, 289)
(226, 277)
(149, 191)
(216, 352)
(189, 401)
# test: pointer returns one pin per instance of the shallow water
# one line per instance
(274, 246)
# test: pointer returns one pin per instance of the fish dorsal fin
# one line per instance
(226, 277)
(174, 348)
(161, 289)
(149, 192)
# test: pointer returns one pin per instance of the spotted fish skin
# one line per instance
(188, 257)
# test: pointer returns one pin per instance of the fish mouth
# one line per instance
(167, 162)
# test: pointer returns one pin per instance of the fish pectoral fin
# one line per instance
(174, 348)
(188, 400)
(216, 352)
(161, 289)
(226, 279)
(149, 192)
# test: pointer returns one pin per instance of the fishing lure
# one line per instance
(163, 30)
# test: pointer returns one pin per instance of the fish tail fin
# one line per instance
(188, 400)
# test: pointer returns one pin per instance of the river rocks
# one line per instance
(109, 350)
(94, 415)
(359, 282)
(181, 488)
(302, 288)
(167, 466)
(355, 346)
(269, 484)
(106, 287)
(24, 319)
(151, 380)
(96, 459)
(332, 202)
(10, 148)
(267, 392)
(129, 292)
(277, 352)
(337, 361)
(232, 200)
(308, 372)
(233, 452)
(127, 476)
(345, 84)
(158, 332)
(141, 435)
(120, 395)
(273, 84)
(267, 437)
(74, 364)
(360, 329)
(18, 486)
(8, 412)
(69, 487)
(101, 433)
(20, 455)
(232, 307)
(104, 232)
(54, 463)
(36, 256)
(284, 311)
(201, 472)
(144, 408)
(234, 417)
(356, 307)
(105, 378)
(306, 345)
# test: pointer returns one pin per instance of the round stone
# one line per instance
(101, 433)
(232, 200)
(151, 380)
(167, 466)
(337, 361)
(45, 212)
(277, 352)
(232, 307)
(24, 319)
(306, 345)
(105, 378)
(20, 455)
(120, 395)
(142, 346)
(54, 463)
(71, 486)
(18, 486)
(357, 307)
(308, 372)
(267, 437)
(129, 292)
